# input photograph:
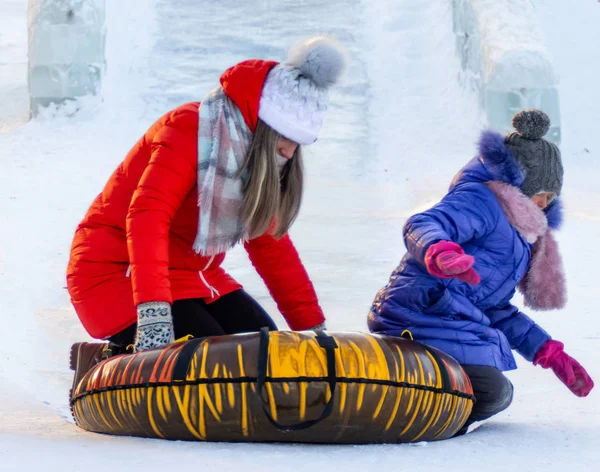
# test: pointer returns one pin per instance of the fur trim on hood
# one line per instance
(544, 284)
(496, 162)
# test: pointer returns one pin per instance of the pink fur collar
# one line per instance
(544, 284)
(522, 213)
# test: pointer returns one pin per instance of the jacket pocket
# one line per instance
(439, 304)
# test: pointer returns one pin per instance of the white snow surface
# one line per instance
(398, 127)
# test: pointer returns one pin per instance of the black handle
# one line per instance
(326, 342)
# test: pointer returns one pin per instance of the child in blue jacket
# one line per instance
(492, 233)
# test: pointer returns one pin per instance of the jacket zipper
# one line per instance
(213, 291)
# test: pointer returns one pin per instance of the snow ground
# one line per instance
(398, 128)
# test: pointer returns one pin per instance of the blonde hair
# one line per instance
(268, 192)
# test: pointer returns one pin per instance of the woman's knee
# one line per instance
(238, 312)
(190, 317)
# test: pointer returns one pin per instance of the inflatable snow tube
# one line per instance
(307, 386)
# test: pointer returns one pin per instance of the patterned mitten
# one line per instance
(154, 327)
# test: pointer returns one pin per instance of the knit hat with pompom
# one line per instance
(294, 96)
(539, 157)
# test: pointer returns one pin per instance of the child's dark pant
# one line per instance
(493, 392)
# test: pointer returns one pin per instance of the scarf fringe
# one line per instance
(200, 246)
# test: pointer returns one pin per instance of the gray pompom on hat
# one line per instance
(539, 157)
(320, 59)
(294, 96)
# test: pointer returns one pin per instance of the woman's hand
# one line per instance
(154, 326)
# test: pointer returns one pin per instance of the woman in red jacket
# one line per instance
(145, 265)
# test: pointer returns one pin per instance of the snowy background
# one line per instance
(399, 127)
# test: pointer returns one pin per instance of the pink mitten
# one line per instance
(446, 259)
(568, 370)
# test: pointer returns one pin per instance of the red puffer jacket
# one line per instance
(135, 243)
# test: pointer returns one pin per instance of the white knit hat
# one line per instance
(294, 95)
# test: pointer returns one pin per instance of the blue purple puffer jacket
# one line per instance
(475, 324)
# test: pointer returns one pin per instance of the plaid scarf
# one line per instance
(223, 140)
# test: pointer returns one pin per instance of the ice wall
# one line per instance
(503, 56)
(66, 50)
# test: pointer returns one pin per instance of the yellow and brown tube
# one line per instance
(279, 386)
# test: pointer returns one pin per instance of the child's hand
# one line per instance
(446, 259)
(568, 370)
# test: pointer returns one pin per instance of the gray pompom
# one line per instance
(531, 124)
(321, 59)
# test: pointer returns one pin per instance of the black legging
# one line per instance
(493, 393)
(236, 312)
